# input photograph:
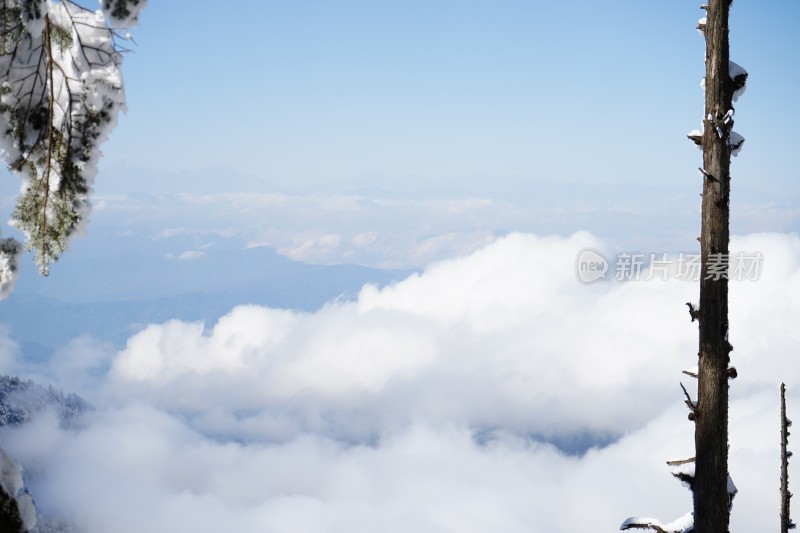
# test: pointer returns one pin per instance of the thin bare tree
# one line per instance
(786, 520)
(707, 477)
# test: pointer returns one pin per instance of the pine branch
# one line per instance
(58, 99)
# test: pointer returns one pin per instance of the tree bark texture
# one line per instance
(711, 500)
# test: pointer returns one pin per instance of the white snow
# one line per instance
(732, 490)
(11, 481)
(735, 141)
(697, 133)
(728, 116)
(736, 71)
(10, 250)
(681, 525)
(86, 82)
(127, 22)
(701, 26)
(685, 469)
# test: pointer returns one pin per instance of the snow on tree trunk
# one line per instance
(712, 488)
(711, 499)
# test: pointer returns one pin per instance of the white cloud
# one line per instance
(9, 352)
(365, 238)
(139, 469)
(487, 339)
(404, 230)
(187, 255)
(310, 248)
(180, 232)
(79, 363)
(412, 407)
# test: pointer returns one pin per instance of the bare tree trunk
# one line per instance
(786, 520)
(711, 486)
(711, 500)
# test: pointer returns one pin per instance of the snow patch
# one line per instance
(735, 141)
(10, 250)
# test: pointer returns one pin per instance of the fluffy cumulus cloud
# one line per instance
(450, 401)
(497, 338)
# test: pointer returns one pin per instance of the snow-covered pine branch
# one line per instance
(123, 14)
(10, 250)
(60, 93)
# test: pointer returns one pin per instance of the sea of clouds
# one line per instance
(461, 399)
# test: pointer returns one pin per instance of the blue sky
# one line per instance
(578, 118)
(392, 135)
(305, 93)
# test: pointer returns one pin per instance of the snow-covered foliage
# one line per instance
(21, 400)
(9, 255)
(123, 13)
(60, 92)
